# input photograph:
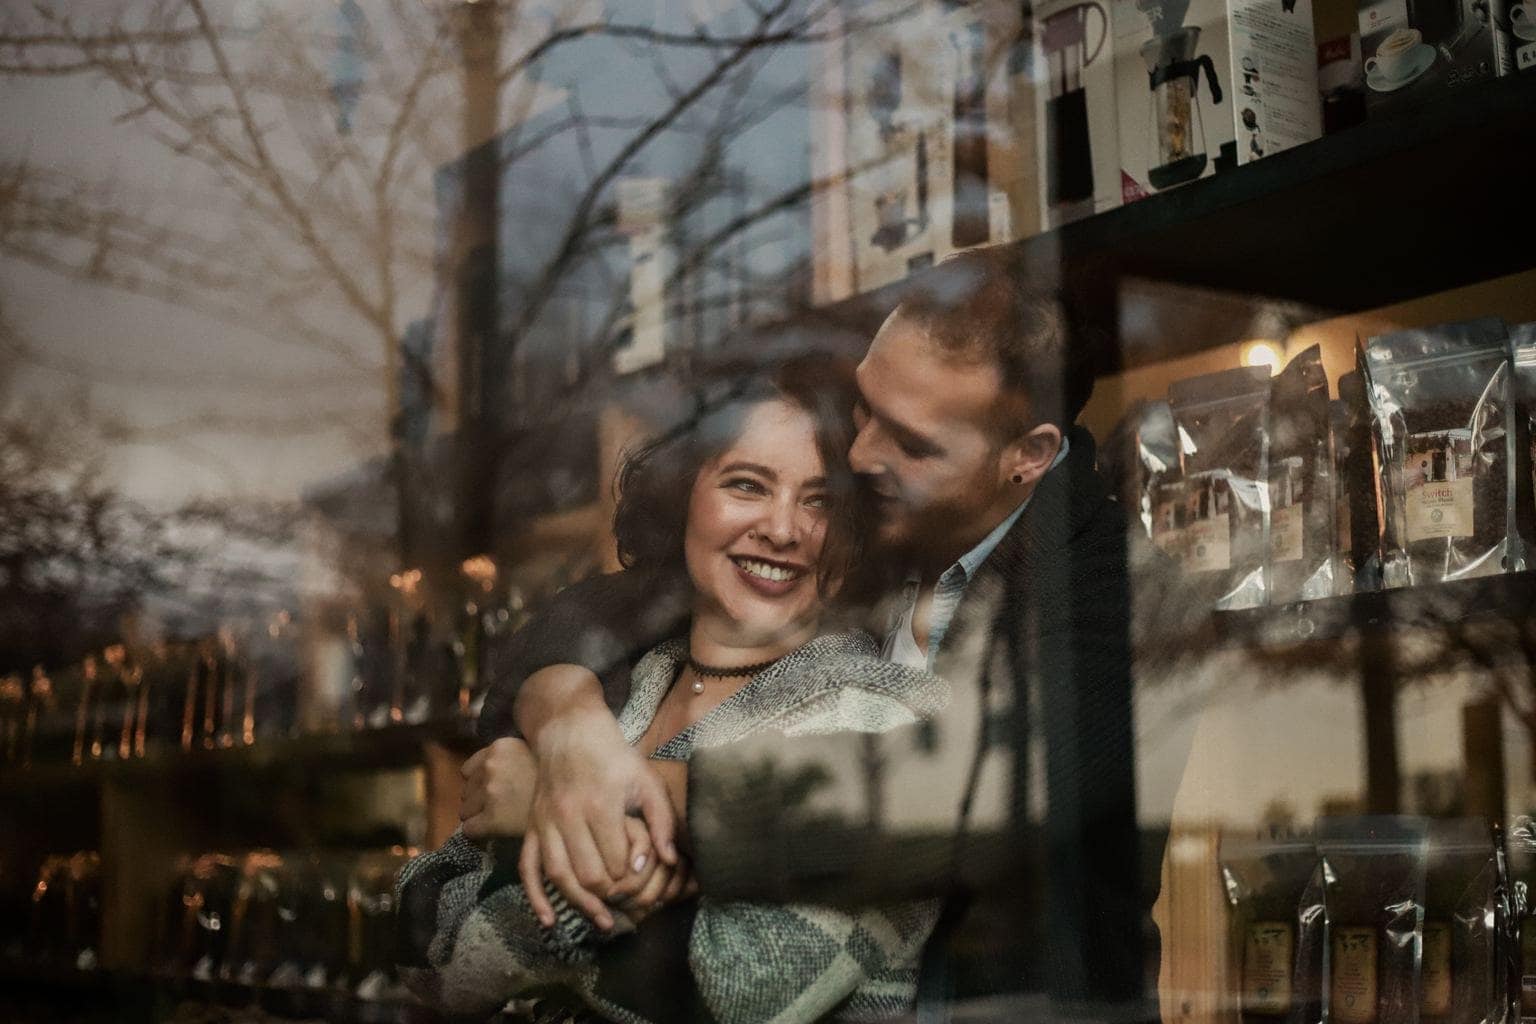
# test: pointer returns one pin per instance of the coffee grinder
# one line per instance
(1173, 74)
(1069, 157)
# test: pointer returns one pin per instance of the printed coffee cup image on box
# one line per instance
(1416, 50)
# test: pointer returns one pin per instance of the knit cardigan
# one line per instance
(472, 943)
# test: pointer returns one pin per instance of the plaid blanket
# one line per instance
(471, 943)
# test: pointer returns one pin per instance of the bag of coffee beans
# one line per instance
(1221, 502)
(1444, 435)
(1355, 506)
(1274, 887)
(1301, 535)
(1343, 546)
(1520, 931)
(1459, 977)
(1373, 889)
(1157, 464)
(1522, 342)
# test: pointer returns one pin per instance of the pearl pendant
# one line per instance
(698, 686)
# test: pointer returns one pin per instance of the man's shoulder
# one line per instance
(1077, 520)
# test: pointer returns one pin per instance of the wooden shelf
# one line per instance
(396, 746)
(1389, 211)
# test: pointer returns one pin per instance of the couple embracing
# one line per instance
(910, 578)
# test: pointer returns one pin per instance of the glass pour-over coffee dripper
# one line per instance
(1177, 129)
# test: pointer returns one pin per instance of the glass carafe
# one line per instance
(1178, 131)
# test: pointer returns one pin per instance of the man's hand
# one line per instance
(589, 781)
(498, 790)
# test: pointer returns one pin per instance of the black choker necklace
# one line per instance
(700, 671)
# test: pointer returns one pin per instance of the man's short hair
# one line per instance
(977, 306)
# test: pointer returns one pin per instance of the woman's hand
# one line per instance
(498, 790)
(589, 781)
(658, 885)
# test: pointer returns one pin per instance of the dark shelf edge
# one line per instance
(1508, 597)
(1474, 107)
(99, 979)
(103, 983)
(1091, 256)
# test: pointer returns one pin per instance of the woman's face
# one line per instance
(756, 523)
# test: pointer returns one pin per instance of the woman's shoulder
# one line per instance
(849, 662)
(836, 682)
(851, 643)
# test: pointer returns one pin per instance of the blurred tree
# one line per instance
(320, 132)
(77, 556)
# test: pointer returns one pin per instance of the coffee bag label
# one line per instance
(1208, 544)
(1165, 534)
(1285, 526)
(1171, 542)
(1436, 977)
(1352, 982)
(1440, 508)
(1267, 952)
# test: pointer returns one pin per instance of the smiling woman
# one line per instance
(757, 524)
(650, 522)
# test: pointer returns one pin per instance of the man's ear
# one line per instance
(1026, 458)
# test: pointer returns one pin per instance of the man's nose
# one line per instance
(861, 456)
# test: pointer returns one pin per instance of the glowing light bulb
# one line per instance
(1262, 353)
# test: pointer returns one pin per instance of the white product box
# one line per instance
(899, 143)
(938, 135)
(642, 213)
(1077, 130)
(1174, 94)
(1416, 51)
(1274, 52)
(1514, 24)
(992, 110)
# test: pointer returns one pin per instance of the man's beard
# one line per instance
(934, 537)
(924, 541)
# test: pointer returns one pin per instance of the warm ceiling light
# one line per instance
(1262, 353)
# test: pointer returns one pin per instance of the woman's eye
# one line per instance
(746, 486)
(818, 501)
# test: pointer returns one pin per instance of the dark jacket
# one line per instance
(1018, 804)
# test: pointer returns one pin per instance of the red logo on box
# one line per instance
(1332, 50)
